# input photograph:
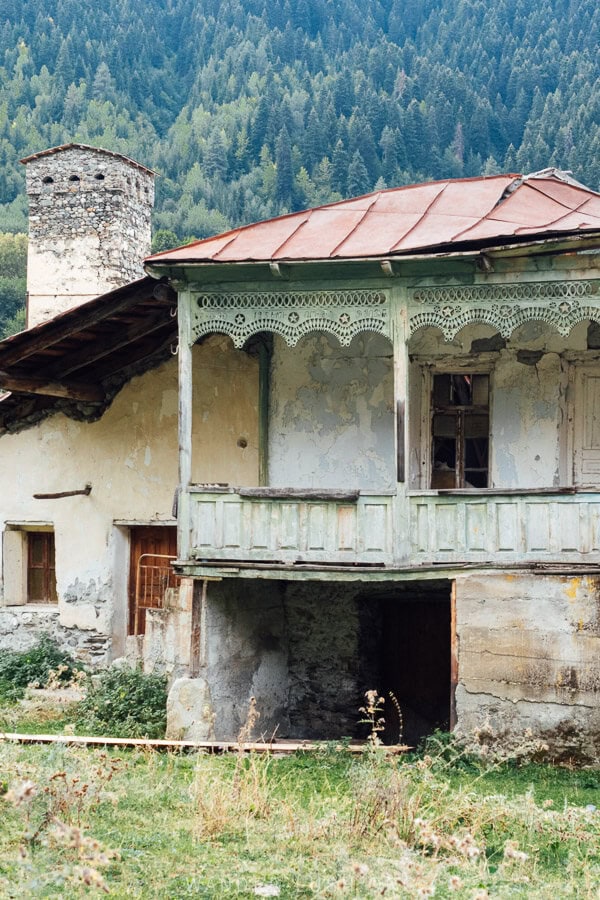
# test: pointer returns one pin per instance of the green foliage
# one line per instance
(124, 703)
(237, 105)
(13, 264)
(20, 669)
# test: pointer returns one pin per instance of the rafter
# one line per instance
(66, 325)
(72, 390)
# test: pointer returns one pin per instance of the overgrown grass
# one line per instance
(147, 825)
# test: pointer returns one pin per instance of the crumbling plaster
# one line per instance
(130, 457)
(331, 420)
(528, 657)
(528, 394)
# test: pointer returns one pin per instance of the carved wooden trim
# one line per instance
(291, 314)
(561, 304)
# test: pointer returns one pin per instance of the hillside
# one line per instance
(249, 109)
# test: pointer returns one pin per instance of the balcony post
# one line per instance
(401, 550)
(400, 343)
(185, 423)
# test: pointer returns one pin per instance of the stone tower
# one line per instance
(89, 226)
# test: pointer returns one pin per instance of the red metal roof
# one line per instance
(443, 215)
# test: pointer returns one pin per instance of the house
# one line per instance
(385, 466)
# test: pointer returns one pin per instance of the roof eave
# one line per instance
(546, 244)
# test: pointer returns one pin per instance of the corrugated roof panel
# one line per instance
(568, 194)
(471, 198)
(412, 199)
(571, 221)
(434, 230)
(321, 233)
(408, 220)
(377, 234)
(261, 241)
(529, 207)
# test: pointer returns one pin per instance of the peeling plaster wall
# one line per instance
(130, 456)
(528, 658)
(528, 389)
(225, 414)
(331, 414)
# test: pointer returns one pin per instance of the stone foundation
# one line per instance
(21, 627)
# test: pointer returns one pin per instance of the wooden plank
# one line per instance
(72, 390)
(279, 747)
(69, 323)
(185, 423)
(453, 657)
(283, 493)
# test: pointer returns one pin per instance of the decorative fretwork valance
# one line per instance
(561, 304)
(291, 314)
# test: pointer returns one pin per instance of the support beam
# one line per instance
(50, 333)
(400, 341)
(264, 379)
(72, 390)
(185, 424)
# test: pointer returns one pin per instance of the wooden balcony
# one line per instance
(289, 526)
(333, 528)
(505, 527)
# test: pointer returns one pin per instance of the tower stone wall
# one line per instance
(89, 226)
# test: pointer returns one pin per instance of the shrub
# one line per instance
(34, 666)
(124, 703)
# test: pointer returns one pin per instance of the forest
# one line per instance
(251, 108)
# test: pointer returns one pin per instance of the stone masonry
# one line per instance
(89, 226)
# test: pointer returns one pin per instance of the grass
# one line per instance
(150, 825)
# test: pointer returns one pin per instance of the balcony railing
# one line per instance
(333, 528)
(262, 525)
(506, 527)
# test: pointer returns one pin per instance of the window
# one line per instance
(41, 576)
(460, 430)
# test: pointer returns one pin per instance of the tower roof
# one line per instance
(53, 150)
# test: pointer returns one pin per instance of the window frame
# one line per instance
(450, 367)
(47, 566)
(15, 564)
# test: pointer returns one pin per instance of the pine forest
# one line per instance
(251, 108)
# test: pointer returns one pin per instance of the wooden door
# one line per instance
(586, 427)
(150, 545)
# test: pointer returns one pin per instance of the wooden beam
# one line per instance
(275, 747)
(49, 333)
(105, 346)
(72, 390)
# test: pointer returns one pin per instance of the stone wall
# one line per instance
(22, 626)
(89, 227)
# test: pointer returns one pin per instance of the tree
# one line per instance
(358, 177)
(284, 182)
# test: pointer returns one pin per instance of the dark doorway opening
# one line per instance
(414, 658)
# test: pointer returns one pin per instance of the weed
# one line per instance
(124, 703)
(43, 662)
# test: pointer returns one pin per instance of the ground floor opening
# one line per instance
(308, 652)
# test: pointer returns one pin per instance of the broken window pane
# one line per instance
(460, 430)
